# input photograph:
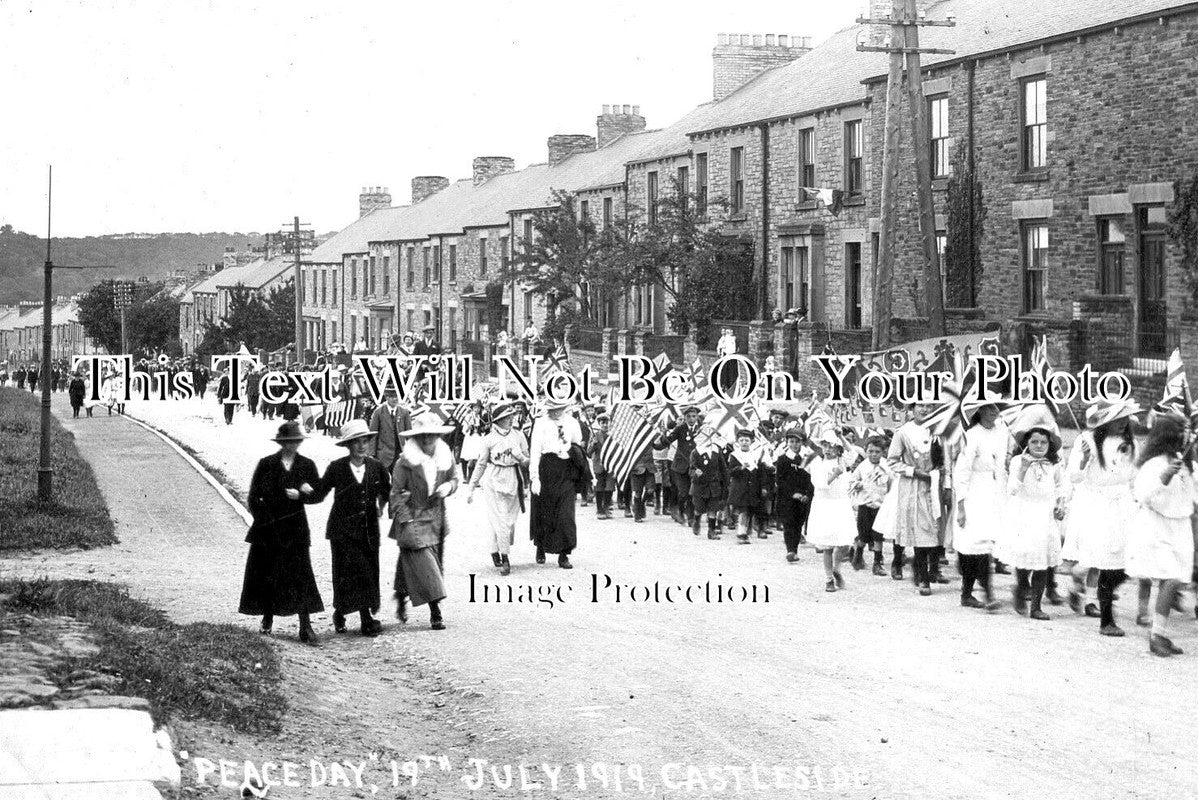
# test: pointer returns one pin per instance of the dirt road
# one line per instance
(868, 692)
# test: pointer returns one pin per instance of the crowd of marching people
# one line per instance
(1002, 496)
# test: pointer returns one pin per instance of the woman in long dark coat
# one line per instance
(558, 466)
(76, 390)
(424, 475)
(278, 572)
(360, 486)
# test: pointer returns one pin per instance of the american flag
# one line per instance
(340, 412)
(629, 436)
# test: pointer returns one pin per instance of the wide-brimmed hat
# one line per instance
(355, 429)
(290, 432)
(503, 412)
(427, 422)
(1033, 417)
(550, 404)
(971, 405)
(1106, 411)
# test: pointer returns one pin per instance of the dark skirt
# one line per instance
(551, 520)
(279, 581)
(355, 575)
(418, 575)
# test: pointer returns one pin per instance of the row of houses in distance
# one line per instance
(21, 332)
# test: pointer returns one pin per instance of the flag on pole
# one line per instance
(832, 199)
(557, 361)
(629, 436)
(1176, 396)
(339, 412)
(1039, 364)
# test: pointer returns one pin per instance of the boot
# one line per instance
(370, 625)
(505, 566)
(712, 533)
(879, 568)
(858, 556)
(563, 561)
(1038, 581)
(657, 501)
(338, 622)
(1160, 646)
(495, 559)
(401, 609)
(695, 525)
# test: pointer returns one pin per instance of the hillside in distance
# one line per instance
(155, 256)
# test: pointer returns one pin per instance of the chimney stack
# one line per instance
(739, 58)
(488, 167)
(564, 145)
(425, 186)
(616, 120)
(371, 198)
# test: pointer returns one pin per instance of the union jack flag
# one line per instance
(558, 360)
(1039, 365)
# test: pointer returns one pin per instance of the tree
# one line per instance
(152, 321)
(561, 260)
(963, 246)
(261, 324)
(1183, 230)
(707, 274)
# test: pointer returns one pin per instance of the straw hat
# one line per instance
(503, 412)
(427, 423)
(1037, 416)
(1106, 411)
(355, 429)
(290, 432)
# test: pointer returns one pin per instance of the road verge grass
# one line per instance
(219, 673)
(77, 516)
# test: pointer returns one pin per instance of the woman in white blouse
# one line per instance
(555, 473)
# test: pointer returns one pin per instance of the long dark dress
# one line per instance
(353, 532)
(76, 390)
(551, 519)
(278, 570)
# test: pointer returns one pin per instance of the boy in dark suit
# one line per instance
(708, 481)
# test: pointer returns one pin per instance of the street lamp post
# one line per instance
(45, 473)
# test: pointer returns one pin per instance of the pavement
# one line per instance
(872, 691)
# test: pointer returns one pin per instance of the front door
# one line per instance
(1151, 325)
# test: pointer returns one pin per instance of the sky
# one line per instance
(237, 116)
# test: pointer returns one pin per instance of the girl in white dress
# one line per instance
(1035, 508)
(980, 482)
(830, 526)
(1160, 545)
(1101, 469)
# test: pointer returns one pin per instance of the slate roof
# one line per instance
(832, 74)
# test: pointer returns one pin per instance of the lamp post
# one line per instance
(45, 474)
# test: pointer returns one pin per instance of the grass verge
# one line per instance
(219, 673)
(78, 516)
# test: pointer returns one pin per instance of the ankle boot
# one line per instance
(495, 559)
(712, 533)
(505, 566)
(858, 556)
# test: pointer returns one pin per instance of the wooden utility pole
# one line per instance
(933, 289)
(904, 25)
(296, 240)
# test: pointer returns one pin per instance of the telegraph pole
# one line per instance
(45, 473)
(296, 237)
(904, 23)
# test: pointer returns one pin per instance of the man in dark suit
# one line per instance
(388, 421)
(684, 435)
(426, 346)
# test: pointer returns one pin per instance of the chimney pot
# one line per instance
(372, 197)
(627, 109)
(623, 119)
(636, 111)
(733, 69)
